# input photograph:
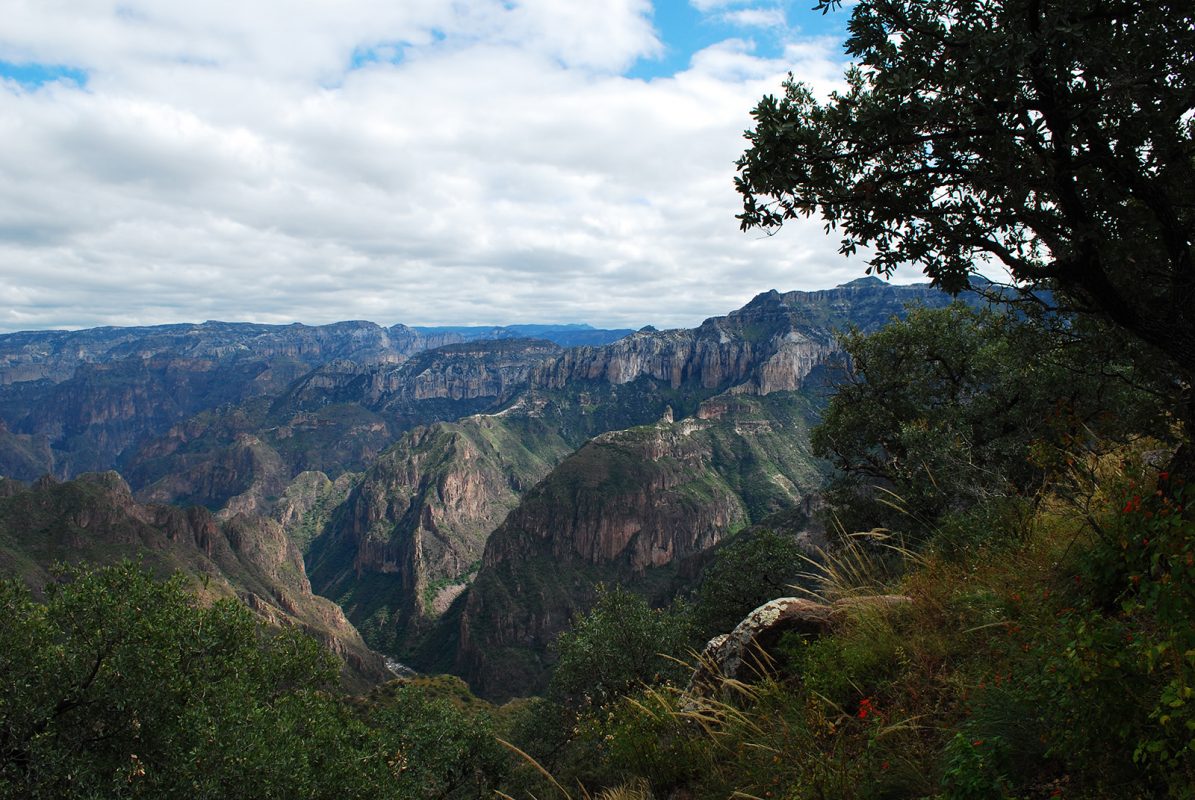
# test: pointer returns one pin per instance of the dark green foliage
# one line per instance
(1115, 685)
(120, 686)
(621, 644)
(955, 407)
(433, 748)
(1055, 138)
(757, 567)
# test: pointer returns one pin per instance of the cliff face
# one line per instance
(495, 370)
(95, 397)
(769, 345)
(405, 543)
(628, 507)
(338, 417)
(239, 479)
(55, 356)
(95, 519)
(410, 535)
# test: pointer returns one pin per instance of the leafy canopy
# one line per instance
(1057, 139)
(748, 572)
(953, 407)
(620, 645)
(122, 686)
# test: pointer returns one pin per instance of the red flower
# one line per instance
(865, 708)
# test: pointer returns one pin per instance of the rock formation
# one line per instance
(410, 534)
(749, 650)
(628, 507)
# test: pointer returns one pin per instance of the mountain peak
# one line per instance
(869, 282)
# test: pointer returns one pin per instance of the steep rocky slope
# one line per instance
(768, 345)
(336, 418)
(411, 533)
(628, 507)
(294, 423)
(95, 519)
(93, 396)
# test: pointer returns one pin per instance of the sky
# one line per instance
(418, 161)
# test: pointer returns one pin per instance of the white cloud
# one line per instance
(223, 162)
(706, 6)
(755, 17)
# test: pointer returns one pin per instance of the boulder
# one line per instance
(746, 652)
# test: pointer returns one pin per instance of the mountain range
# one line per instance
(457, 492)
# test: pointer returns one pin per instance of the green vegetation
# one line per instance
(621, 644)
(754, 568)
(953, 407)
(1047, 650)
(1020, 482)
(121, 686)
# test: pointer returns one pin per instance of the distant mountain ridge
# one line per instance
(78, 401)
(55, 354)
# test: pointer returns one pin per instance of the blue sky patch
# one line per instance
(685, 30)
(34, 76)
(379, 54)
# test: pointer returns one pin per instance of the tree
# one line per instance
(1057, 138)
(120, 685)
(432, 747)
(748, 572)
(620, 645)
(953, 407)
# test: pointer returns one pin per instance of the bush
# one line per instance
(756, 567)
(120, 685)
(953, 408)
(621, 644)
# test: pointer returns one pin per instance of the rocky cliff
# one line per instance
(95, 519)
(410, 535)
(628, 507)
(95, 396)
(771, 344)
(338, 417)
(55, 356)
(400, 552)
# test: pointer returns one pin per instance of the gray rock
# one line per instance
(748, 651)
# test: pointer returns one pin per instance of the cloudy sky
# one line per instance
(417, 161)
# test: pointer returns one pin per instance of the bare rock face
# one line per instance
(413, 528)
(747, 652)
(237, 479)
(771, 344)
(95, 396)
(628, 507)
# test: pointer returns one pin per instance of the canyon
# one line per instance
(458, 492)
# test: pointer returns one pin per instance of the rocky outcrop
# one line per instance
(749, 650)
(771, 344)
(55, 356)
(411, 533)
(338, 417)
(238, 480)
(491, 370)
(24, 457)
(98, 396)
